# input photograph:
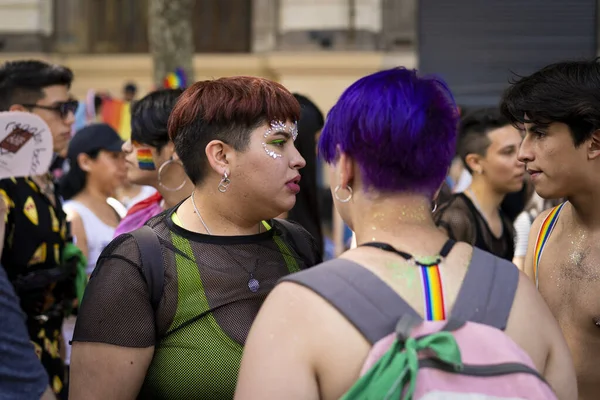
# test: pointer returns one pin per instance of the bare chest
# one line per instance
(569, 279)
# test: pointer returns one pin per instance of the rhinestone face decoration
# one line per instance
(279, 126)
(271, 153)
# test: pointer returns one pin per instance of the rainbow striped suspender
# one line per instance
(435, 308)
(431, 278)
(542, 238)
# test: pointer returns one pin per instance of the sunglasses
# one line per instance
(63, 108)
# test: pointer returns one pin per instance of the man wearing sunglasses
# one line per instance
(37, 244)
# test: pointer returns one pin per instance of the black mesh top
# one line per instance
(206, 310)
(463, 222)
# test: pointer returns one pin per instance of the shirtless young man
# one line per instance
(560, 108)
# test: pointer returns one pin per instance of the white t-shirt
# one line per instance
(522, 227)
(97, 233)
(464, 181)
(145, 192)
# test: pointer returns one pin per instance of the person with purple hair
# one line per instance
(389, 140)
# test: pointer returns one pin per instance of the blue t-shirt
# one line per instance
(21, 373)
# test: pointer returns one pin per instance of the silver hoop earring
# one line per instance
(434, 207)
(160, 182)
(337, 197)
(224, 184)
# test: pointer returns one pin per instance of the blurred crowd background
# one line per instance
(119, 50)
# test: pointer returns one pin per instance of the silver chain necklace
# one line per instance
(198, 213)
(253, 283)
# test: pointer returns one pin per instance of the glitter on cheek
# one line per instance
(271, 153)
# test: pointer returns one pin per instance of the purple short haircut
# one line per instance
(399, 127)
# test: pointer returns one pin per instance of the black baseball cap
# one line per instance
(92, 138)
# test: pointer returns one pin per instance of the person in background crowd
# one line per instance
(222, 252)
(97, 169)
(37, 248)
(559, 106)
(152, 161)
(488, 146)
(306, 211)
(129, 92)
(300, 346)
(129, 194)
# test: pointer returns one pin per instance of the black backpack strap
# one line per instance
(366, 301)
(488, 290)
(152, 262)
(301, 243)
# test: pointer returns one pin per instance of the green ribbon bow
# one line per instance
(399, 366)
(71, 252)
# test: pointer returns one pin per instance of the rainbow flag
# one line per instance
(176, 80)
(145, 161)
(117, 113)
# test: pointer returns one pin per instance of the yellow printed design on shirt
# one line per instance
(38, 349)
(55, 223)
(63, 231)
(57, 253)
(30, 211)
(32, 185)
(51, 347)
(39, 256)
(8, 201)
(56, 384)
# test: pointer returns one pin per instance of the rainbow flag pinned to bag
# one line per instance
(176, 80)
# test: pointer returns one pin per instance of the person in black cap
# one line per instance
(97, 169)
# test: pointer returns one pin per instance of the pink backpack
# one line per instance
(431, 360)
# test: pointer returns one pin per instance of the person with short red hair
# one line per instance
(222, 249)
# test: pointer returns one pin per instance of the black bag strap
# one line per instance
(152, 262)
(301, 243)
(374, 308)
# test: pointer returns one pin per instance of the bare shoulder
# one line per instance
(531, 324)
(77, 227)
(539, 220)
(72, 215)
(294, 300)
(294, 310)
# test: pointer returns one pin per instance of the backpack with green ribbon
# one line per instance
(398, 367)
(412, 359)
